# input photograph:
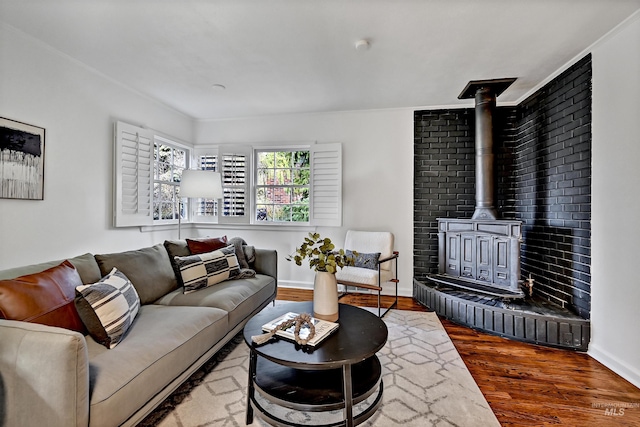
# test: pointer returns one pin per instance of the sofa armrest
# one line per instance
(267, 262)
(44, 375)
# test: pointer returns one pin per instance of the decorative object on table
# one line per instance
(301, 328)
(324, 259)
(21, 160)
(201, 184)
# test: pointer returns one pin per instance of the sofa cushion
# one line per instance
(362, 260)
(207, 244)
(86, 266)
(148, 269)
(108, 307)
(161, 345)
(266, 262)
(238, 297)
(176, 248)
(45, 297)
(200, 271)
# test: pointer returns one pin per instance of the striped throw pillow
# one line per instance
(202, 270)
(107, 308)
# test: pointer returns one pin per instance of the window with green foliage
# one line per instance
(293, 185)
(298, 185)
(282, 190)
(168, 163)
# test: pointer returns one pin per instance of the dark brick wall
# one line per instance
(553, 174)
(444, 185)
(542, 154)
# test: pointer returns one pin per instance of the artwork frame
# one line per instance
(21, 160)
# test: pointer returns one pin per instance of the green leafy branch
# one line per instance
(322, 254)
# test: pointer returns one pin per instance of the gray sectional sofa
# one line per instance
(57, 377)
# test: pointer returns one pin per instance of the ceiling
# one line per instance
(292, 56)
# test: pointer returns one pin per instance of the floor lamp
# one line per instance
(198, 184)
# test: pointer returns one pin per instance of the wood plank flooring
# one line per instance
(529, 385)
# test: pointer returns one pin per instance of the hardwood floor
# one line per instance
(530, 385)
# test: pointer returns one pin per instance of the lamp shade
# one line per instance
(200, 184)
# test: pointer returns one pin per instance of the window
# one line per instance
(283, 187)
(148, 168)
(290, 185)
(168, 163)
(294, 185)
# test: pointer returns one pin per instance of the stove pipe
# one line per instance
(485, 93)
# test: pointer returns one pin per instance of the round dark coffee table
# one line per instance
(341, 371)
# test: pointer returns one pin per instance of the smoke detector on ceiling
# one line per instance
(362, 44)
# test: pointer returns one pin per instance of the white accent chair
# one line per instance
(384, 271)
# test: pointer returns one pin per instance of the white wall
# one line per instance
(615, 286)
(77, 107)
(377, 149)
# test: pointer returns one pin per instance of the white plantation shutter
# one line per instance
(206, 210)
(234, 176)
(326, 185)
(234, 165)
(133, 176)
(208, 162)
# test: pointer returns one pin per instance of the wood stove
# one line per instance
(462, 262)
(482, 253)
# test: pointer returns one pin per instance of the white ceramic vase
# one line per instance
(325, 296)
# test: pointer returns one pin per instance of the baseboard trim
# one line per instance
(621, 368)
(294, 284)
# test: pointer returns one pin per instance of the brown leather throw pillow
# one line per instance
(208, 244)
(46, 297)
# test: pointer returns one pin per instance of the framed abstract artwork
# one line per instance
(21, 160)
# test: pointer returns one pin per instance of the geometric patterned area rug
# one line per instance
(425, 384)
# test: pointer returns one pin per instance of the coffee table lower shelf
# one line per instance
(317, 390)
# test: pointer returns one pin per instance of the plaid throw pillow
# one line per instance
(202, 270)
(108, 307)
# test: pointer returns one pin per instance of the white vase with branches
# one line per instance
(324, 259)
